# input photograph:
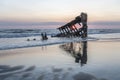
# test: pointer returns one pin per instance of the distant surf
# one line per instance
(16, 33)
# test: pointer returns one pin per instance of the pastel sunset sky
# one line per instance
(58, 10)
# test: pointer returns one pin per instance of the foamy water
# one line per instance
(18, 38)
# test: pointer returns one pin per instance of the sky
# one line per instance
(38, 11)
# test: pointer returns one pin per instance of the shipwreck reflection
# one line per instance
(78, 50)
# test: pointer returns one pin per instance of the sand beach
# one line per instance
(58, 62)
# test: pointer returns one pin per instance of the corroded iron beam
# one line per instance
(70, 29)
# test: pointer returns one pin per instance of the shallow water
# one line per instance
(98, 60)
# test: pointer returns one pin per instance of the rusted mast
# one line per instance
(84, 23)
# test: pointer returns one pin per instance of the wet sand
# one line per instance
(58, 62)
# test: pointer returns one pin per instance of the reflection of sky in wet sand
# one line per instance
(39, 56)
(53, 63)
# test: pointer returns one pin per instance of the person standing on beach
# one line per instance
(44, 36)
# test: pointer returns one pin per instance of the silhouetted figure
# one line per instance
(44, 36)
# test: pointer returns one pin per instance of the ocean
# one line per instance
(57, 58)
(17, 38)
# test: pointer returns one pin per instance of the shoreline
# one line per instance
(51, 41)
(37, 62)
(14, 43)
